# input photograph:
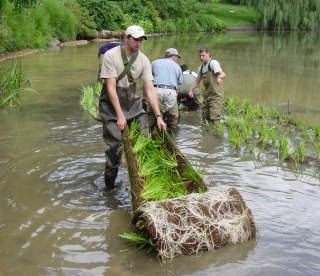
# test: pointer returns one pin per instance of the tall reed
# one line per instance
(12, 84)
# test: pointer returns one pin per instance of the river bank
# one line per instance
(28, 51)
(102, 36)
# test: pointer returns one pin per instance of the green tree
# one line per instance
(106, 14)
(287, 14)
(22, 4)
(86, 25)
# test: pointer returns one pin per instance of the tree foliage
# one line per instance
(106, 14)
(287, 14)
(31, 23)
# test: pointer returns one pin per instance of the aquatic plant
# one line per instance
(12, 84)
(138, 240)
(265, 129)
(89, 99)
(157, 166)
(234, 138)
(255, 128)
(301, 150)
(284, 148)
(317, 131)
(220, 128)
(231, 105)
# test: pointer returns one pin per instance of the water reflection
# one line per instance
(56, 218)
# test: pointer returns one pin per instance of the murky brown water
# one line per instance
(56, 219)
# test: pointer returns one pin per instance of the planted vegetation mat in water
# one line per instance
(157, 168)
(172, 207)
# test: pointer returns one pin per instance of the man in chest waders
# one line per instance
(119, 104)
(212, 76)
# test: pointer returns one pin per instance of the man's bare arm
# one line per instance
(194, 86)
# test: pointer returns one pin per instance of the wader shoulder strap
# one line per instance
(127, 65)
(209, 68)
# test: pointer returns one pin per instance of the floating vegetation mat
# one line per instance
(196, 222)
(172, 207)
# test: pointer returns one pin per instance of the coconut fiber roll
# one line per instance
(196, 222)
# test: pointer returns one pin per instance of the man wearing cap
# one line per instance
(119, 104)
(167, 76)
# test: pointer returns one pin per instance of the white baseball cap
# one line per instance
(136, 32)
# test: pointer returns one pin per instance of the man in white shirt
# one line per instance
(189, 77)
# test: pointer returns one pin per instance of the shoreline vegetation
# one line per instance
(102, 36)
(156, 20)
(34, 24)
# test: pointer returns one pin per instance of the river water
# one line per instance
(56, 218)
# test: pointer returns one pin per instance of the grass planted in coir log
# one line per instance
(157, 166)
(159, 170)
(258, 128)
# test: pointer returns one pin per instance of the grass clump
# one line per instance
(89, 99)
(137, 240)
(12, 84)
(157, 166)
(258, 128)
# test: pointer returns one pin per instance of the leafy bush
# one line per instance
(16, 23)
(86, 26)
(106, 14)
(169, 26)
(32, 23)
(34, 26)
(210, 23)
(62, 21)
